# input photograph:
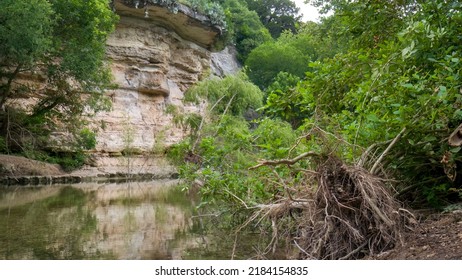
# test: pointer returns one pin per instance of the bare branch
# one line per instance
(285, 161)
(377, 163)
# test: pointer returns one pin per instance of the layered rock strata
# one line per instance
(155, 56)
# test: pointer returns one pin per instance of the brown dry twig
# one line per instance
(350, 214)
(284, 161)
(354, 214)
(387, 150)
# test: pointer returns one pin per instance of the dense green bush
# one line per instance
(234, 94)
(267, 60)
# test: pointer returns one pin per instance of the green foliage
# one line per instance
(79, 39)
(86, 139)
(267, 60)
(227, 148)
(284, 101)
(315, 40)
(410, 79)
(233, 94)
(187, 121)
(64, 41)
(69, 160)
(244, 27)
(177, 153)
(366, 24)
(210, 8)
(290, 53)
(23, 42)
(274, 138)
(62, 45)
(284, 81)
(276, 15)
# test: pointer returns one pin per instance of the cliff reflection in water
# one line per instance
(147, 220)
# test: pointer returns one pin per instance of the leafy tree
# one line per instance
(25, 37)
(290, 53)
(367, 23)
(267, 60)
(245, 27)
(60, 44)
(276, 15)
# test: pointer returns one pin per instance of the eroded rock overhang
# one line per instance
(184, 21)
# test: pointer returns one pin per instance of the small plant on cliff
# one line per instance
(172, 5)
(210, 8)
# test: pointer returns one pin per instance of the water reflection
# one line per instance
(147, 220)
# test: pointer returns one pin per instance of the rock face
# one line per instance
(154, 60)
(225, 62)
(183, 20)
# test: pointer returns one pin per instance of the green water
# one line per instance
(145, 220)
(148, 220)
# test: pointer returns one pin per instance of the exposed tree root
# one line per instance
(350, 214)
(354, 215)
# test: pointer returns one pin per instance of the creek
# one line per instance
(137, 220)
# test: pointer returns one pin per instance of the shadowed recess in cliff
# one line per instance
(184, 20)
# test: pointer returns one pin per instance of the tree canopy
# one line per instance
(246, 29)
(276, 15)
(61, 44)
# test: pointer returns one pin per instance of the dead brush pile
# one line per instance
(350, 214)
(353, 215)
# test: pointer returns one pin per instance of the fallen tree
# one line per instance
(343, 211)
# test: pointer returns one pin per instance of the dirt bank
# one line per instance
(437, 237)
(20, 166)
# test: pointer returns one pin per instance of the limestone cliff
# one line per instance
(155, 55)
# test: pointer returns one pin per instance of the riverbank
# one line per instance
(15, 170)
(435, 236)
(21, 166)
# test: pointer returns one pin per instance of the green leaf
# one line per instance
(409, 86)
(442, 93)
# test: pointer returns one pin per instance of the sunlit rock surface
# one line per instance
(225, 62)
(155, 56)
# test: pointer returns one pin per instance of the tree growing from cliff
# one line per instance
(52, 52)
